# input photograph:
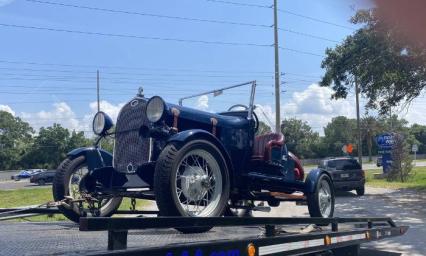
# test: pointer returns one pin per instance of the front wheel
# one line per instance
(67, 183)
(191, 181)
(321, 202)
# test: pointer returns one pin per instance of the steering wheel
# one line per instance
(256, 119)
(238, 106)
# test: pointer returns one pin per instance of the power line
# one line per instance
(284, 11)
(150, 14)
(301, 52)
(180, 18)
(134, 36)
(126, 73)
(241, 4)
(308, 35)
(129, 68)
(316, 19)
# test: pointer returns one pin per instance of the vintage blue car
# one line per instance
(191, 162)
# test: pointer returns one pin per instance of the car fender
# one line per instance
(196, 134)
(312, 179)
(95, 157)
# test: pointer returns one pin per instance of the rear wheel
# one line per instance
(67, 183)
(360, 191)
(321, 202)
(191, 181)
(41, 182)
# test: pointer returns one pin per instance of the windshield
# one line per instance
(232, 98)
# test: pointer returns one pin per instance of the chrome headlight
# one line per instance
(155, 109)
(101, 123)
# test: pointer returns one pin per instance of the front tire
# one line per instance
(66, 183)
(321, 202)
(191, 181)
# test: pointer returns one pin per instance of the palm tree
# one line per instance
(370, 127)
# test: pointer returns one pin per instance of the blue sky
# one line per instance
(50, 76)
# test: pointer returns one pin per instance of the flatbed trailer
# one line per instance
(273, 236)
(231, 236)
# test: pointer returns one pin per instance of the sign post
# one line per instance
(415, 148)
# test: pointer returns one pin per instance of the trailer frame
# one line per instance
(274, 239)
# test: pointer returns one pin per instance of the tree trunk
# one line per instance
(369, 146)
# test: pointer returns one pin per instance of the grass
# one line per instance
(416, 181)
(24, 197)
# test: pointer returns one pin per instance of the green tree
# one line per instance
(402, 164)
(51, 146)
(15, 136)
(388, 71)
(371, 127)
(263, 128)
(299, 138)
(419, 133)
(339, 132)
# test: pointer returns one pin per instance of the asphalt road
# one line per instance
(21, 184)
(405, 207)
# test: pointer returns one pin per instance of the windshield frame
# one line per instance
(218, 92)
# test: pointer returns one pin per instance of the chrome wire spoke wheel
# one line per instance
(325, 198)
(74, 189)
(198, 183)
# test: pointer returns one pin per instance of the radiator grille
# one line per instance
(131, 150)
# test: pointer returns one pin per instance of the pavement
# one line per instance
(21, 184)
(405, 207)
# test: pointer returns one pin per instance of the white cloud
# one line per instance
(203, 102)
(110, 109)
(7, 109)
(314, 105)
(61, 113)
(64, 115)
(414, 113)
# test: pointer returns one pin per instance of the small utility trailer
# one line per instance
(259, 235)
(230, 236)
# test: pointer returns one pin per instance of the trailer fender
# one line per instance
(312, 179)
(95, 157)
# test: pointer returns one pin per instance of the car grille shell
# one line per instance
(130, 149)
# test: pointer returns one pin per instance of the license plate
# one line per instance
(344, 175)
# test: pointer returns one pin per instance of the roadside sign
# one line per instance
(348, 149)
(415, 148)
(385, 141)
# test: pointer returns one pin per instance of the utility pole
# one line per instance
(97, 90)
(277, 72)
(358, 122)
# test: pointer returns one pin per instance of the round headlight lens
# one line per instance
(155, 109)
(99, 123)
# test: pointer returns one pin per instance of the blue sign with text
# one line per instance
(385, 143)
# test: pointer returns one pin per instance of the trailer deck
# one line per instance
(65, 238)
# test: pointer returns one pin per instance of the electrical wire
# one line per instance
(134, 36)
(284, 11)
(149, 14)
(180, 18)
